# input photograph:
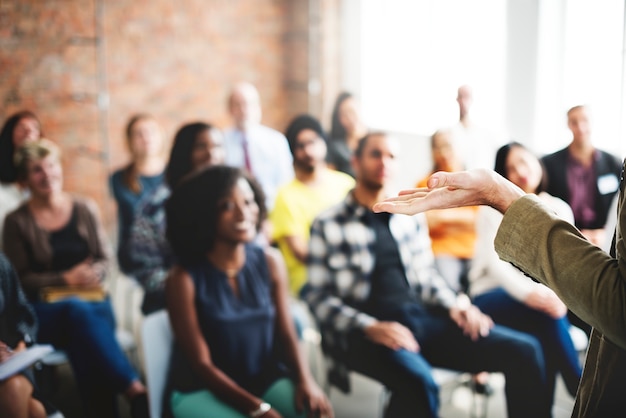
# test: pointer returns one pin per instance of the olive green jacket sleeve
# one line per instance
(590, 282)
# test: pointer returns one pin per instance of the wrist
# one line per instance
(508, 194)
(263, 408)
(462, 302)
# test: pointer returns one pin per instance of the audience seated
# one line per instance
(452, 231)
(19, 128)
(196, 145)
(504, 293)
(56, 239)
(346, 129)
(142, 175)
(385, 312)
(314, 188)
(587, 179)
(258, 149)
(235, 352)
(18, 326)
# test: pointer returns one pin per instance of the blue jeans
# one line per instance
(408, 376)
(86, 331)
(553, 334)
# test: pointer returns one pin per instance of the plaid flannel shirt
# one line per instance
(341, 261)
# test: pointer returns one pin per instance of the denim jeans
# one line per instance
(408, 376)
(553, 334)
(86, 331)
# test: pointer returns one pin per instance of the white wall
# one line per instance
(552, 60)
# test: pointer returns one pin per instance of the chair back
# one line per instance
(157, 339)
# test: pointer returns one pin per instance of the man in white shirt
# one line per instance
(260, 150)
(474, 142)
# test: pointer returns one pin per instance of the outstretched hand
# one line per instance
(451, 190)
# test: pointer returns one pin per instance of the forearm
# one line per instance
(589, 281)
(299, 247)
(227, 389)
(293, 355)
(505, 195)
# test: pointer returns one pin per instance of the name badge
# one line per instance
(608, 183)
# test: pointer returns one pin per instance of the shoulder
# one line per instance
(18, 214)
(272, 133)
(116, 177)
(332, 214)
(178, 279)
(610, 159)
(272, 256)
(287, 189)
(116, 181)
(340, 178)
(85, 204)
(555, 156)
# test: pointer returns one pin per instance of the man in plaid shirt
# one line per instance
(385, 312)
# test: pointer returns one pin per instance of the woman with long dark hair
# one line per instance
(196, 145)
(19, 129)
(347, 128)
(502, 292)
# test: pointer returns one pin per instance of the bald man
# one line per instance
(260, 150)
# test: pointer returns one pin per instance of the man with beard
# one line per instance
(314, 188)
(384, 311)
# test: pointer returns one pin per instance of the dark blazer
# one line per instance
(556, 170)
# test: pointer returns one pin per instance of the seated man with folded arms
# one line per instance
(385, 312)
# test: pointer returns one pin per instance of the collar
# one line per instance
(356, 210)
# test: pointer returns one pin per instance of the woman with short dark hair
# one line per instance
(236, 352)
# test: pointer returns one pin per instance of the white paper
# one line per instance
(21, 360)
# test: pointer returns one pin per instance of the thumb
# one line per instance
(440, 179)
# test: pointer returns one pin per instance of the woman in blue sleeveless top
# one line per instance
(236, 352)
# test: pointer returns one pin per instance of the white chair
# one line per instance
(157, 338)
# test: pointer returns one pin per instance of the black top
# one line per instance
(389, 285)
(68, 247)
(340, 156)
(17, 318)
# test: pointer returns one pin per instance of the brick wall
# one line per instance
(84, 66)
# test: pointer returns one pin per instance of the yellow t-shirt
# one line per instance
(295, 208)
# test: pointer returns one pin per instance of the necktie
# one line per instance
(246, 155)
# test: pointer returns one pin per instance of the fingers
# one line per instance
(392, 335)
(474, 323)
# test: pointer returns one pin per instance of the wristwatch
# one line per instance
(262, 409)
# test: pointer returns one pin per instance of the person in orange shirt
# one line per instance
(452, 231)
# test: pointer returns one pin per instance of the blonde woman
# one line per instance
(56, 239)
